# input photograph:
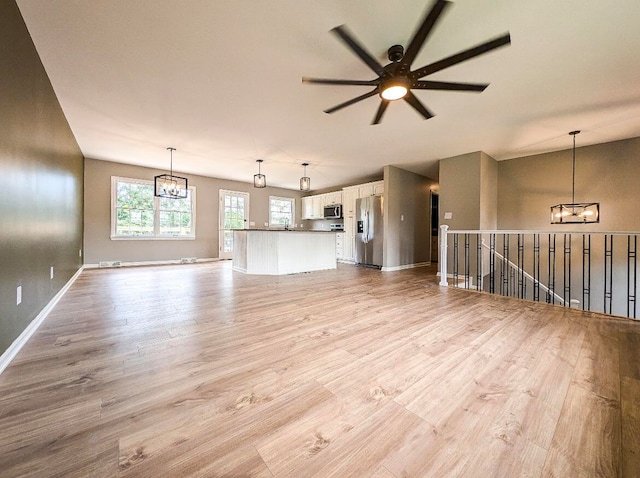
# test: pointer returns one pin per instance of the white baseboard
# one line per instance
(156, 263)
(18, 343)
(406, 266)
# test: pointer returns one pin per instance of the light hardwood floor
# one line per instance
(196, 370)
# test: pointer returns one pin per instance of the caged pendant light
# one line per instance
(259, 180)
(305, 181)
(168, 185)
(573, 212)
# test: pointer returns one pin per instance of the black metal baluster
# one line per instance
(492, 263)
(551, 273)
(455, 260)
(608, 272)
(479, 270)
(466, 261)
(505, 264)
(522, 285)
(632, 247)
(586, 272)
(536, 267)
(566, 271)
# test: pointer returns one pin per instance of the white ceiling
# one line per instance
(220, 80)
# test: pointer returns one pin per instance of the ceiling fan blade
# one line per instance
(448, 86)
(328, 81)
(418, 106)
(352, 101)
(423, 32)
(358, 49)
(381, 109)
(460, 57)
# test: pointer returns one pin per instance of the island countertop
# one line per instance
(290, 230)
(275, 252)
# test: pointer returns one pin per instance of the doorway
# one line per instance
(435, 229)
(233, 214)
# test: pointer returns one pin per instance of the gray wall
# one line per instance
(607, 173)
(100, 247)
(407, 194)
(41, 182)
(488, 192)
(460, 190)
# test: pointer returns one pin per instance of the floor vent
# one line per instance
(188, 260)
(110, 264)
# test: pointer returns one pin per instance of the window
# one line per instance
(137, 214)
(281, 211)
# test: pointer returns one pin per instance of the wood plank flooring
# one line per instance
(196, 370)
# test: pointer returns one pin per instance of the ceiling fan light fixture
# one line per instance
(394, 89)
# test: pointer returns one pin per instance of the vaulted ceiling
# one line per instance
(220, 80)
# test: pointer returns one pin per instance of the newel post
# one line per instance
(443, 255)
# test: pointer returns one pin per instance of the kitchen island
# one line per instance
(276, 252)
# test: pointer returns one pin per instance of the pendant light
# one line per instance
(573, 212)
(168, 185)
(305, 181)
(259, 180)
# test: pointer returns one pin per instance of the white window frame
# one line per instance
(293, 211)
(156, 214)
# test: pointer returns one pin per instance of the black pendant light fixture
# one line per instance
(305, 181)
(259, 180)
(573, 212)
(168, 185)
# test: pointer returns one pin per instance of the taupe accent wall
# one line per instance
(407, 210)
(41, 183)
(100, 247)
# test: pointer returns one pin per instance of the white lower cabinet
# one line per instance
(339, 245)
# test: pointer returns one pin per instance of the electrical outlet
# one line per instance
(79, 252)
(51, 273)
(401, 217)
(19, 295)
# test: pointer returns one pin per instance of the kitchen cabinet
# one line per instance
(378, 188)
(349, 196)
(339, 245)
(317, 206)
(307, 207)
(313, 206)
(333, 198)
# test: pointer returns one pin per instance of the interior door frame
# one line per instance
(222, 254)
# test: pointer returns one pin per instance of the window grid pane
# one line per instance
(138, 213)
(280, 211)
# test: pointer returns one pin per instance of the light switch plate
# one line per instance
(448, 215)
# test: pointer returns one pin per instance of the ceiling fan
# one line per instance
(396, 80)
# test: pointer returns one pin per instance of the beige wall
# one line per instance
(99, 246)
(41, 183)
(407, 213)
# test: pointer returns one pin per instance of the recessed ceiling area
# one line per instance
(221, 82)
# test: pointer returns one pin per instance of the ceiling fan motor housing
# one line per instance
(396, 53)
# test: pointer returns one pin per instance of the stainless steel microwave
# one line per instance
(333, 211)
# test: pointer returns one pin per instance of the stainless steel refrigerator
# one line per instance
(369, 231)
